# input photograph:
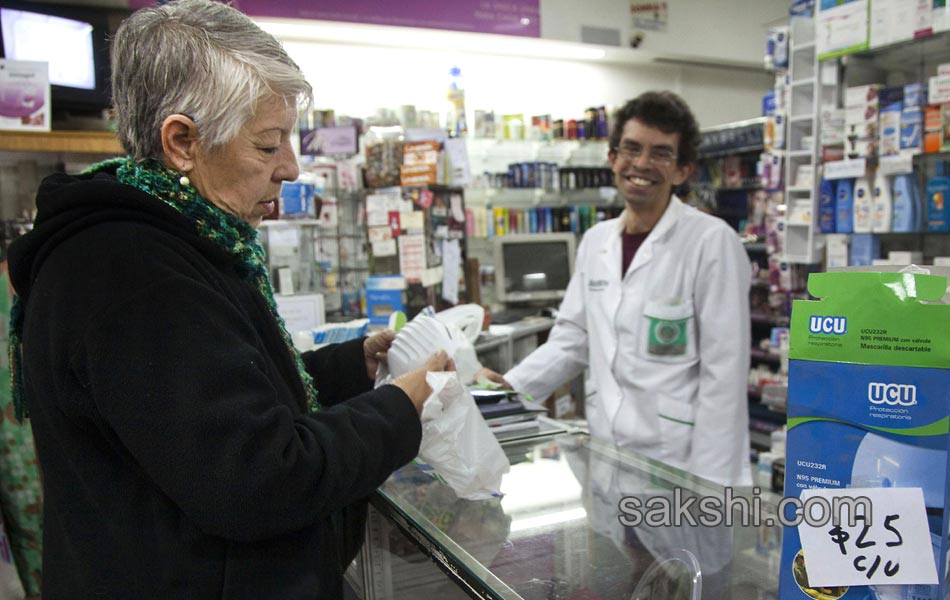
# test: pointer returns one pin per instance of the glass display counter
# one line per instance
(557, 533)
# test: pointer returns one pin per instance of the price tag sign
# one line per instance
(896, 164)
(890, 544)
(846, 169)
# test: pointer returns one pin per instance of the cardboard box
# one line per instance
(868, 374)
(862, 95)
(421, 163)
(933, 129)
(24, 95)
(905, 257)
(912, 121)
(384, 296)
(836, 250)
(938, 89)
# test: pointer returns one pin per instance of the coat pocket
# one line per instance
(677, 421)
(669, 332)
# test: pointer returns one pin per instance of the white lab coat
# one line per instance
(685, 403)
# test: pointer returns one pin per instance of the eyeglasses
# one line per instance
(661, 157)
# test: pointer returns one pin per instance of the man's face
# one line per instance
(645, 165)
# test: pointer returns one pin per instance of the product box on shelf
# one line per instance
(24, 95)
(862, 107)
(384, 296)
(933, 129)
(868, 408)
(911, 128)
(421, 163)
(938, 89)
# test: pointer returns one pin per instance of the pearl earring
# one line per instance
(184, 181)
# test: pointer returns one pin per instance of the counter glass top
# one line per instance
(558, 532)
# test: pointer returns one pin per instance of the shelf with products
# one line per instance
(418, 233)
(895, 150)
(524, 197)
(320, 255)
(800, 99)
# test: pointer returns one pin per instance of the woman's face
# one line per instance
(243, 177)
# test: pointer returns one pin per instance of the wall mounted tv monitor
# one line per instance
(73, 40)
(533, 268)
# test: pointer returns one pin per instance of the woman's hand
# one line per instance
(375, 348)
(487, 374)
(414, 382)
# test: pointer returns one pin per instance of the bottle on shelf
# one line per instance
(906, 205)
(863, 205)
(826, 206)
(455, 118)
(938, 192)
(883, 206)
(844, 217)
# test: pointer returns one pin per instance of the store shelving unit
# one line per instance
(729, 184)
(727, 178)
(806, 96)
(815, 84)
(894, 65)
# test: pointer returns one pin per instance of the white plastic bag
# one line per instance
(456, 441)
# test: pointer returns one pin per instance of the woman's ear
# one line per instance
(179, 142)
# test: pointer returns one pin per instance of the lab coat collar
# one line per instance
(673, 210)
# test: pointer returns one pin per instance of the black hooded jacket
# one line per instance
(165, 405)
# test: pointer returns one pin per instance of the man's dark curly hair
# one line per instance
(665, 111)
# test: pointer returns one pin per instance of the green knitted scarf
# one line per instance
(228, 232)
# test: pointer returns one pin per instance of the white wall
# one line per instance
(356, 80)
(709, 30)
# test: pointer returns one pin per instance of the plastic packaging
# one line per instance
(456, 441)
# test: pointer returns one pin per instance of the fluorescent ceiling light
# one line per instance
(429, 39)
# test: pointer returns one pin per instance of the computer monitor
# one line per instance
(73, 40)
(533, 268)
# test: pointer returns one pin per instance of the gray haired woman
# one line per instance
(188, 450)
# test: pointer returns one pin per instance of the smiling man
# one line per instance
(658, 309)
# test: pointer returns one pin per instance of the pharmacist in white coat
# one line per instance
(658, 308)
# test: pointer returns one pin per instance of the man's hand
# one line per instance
(375, 350)
(483, 375)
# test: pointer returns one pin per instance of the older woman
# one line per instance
(188, 450)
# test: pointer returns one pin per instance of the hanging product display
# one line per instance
(868, 408)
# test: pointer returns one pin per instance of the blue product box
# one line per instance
(912, 120)
(914, 94)
(384, 296)
(296, 199)
(802, 8)
(865, 247)
(768, 104)
(868, 408)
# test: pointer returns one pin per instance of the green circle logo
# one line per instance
(667, 332)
